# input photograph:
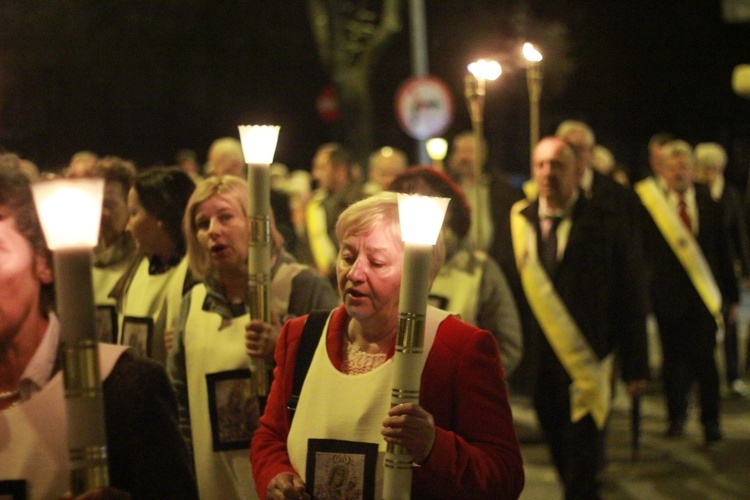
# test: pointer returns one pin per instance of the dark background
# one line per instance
(142, 79)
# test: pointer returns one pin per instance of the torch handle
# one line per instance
(415, 285)
(259, 258)
(84, 401)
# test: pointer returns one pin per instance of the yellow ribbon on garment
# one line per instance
(322, 248)
(531, 190)
(590, 391)
(683, 244)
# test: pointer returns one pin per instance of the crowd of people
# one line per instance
(547, 289)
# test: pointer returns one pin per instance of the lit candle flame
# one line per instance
(259, 143)
(486, 70)
(530, 53)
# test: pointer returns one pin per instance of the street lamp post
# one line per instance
(69, 212)
(534, 79)
(437, 148)
(421, 218)
(258, 147)
(479, 72)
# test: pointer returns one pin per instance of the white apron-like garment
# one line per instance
(34, 435)
(105, 279)
(336, 406)
(157, 298)
(213, 346)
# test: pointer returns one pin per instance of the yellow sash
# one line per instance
(590, 391)
(322, 248)
(684, 246)
(531, 190)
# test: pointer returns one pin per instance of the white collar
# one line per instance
(546, 211)
(39, 370)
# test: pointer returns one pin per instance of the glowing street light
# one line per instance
(474, 89)
(437, 148)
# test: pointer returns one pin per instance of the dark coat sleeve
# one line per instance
(734, 221)
(147, 455)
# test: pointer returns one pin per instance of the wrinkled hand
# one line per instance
(260, 340)
(411, 426)
(637, 387)
(286, 485)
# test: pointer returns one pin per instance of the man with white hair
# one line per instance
(595, 185)
(691, 280)
(710, 162)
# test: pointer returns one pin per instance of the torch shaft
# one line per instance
(475, 92)
(415, 283)
(259, 258)
(534, 84)
(87, 442)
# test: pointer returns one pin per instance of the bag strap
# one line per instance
(308, 342)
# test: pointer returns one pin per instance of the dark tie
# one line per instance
(682, 211)
(548, 250)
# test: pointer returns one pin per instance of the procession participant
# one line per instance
(344, 403)
(210, 370)
(581, 274)
(146, 455)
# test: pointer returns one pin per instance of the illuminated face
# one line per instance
(677, 171)
(368, 270)
(22, 274)
(114, 212)
(223, 231)
(145, 228)
(461, 160)
(555, 171)
(385, 168)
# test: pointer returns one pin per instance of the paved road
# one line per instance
(665, 469)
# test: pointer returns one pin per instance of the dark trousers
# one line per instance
(577, 449)
(688, 357)
(731, 351)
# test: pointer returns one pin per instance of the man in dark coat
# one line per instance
(580, 273)
(691, 280)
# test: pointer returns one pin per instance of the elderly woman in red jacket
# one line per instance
(460, 435)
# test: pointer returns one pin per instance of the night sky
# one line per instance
(144, 79)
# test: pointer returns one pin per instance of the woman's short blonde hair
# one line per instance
(233, 188)
(377, 211)
(228, 186)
